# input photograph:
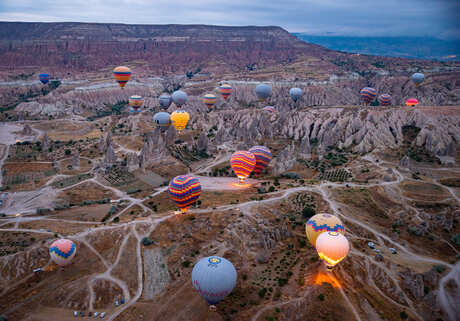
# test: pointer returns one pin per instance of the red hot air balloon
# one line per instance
(368, 94)
(122, 75)
(243, 163)
(263, 157)
(184, 190)
(225, 90)
(412, 102)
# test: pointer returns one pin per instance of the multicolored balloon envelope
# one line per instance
(295, 93)
(263, 157)
(44, 78)
(411, 102)
(136, 102)
(122, 75)
(184, 190)
(165, 101)
(243, 163)
(332, 247)
(269, 109)
(62, 251)
(384, 100)
(179, 98)
(214, 278)
(162, 120)
(418, 78)
(209, 100)
(321, 223)
(225, 90)
(368, 94)
(263, 91)
(179, 119)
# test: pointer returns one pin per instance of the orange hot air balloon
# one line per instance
(225, 90)
(122, 75)
(321, 223)
(411, 102)
(332, 247)
(243, 163)
(209, 100)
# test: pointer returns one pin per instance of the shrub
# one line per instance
(68, 152)
(321, 297)
(403, 315)
(146, 241)
(116, 219)
(186, 264)
(262, 292)
(308, 212)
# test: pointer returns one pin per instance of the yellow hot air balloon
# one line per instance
(179, 119)
(321, 223)
(332, 247)
(122, 75)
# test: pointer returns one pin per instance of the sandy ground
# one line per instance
(225, 183)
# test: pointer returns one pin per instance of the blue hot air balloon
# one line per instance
(44, 78)
(418, 78)
(165, 101)
(263, 91)
(179, 98)
(295, 93)
(162, 120)
(214, 278)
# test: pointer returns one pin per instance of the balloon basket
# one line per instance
(212, 308)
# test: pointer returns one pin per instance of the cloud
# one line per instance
(339, 17)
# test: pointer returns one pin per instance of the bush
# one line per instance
(271, 189)
(186, 264)
(308, 212)
(439, 268)
(146, 241)
(262, 292)
(116, 219)
(321, 297)
(403, 315)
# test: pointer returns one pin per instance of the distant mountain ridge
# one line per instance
(404, 47)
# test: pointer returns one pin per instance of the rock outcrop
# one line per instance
(154, 150)
(110, 157)
(45, 141)
(76, 161)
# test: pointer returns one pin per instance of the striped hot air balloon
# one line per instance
(44, 78)
(122, 75)
(269, 109)
(263, 157)
(384, 100)
(136, 102)
(243, 163)
(412, 102)
(225, 90)
(179, 119)
(62, 251)
(368, 94)
(321, 223)
(209, 100)
(184, 191)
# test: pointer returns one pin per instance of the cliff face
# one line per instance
(165, 48)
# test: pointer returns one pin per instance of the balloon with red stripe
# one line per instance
(269, 109)
(184, 190)
(122, 75)
(62, 251)
(225, 90)
(368, 94)
(243, 163)
(385, 100)
(412, 102)
(136, 102)
(263, 157)
(209, 100)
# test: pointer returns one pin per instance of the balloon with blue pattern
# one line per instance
(44, 78)
(62, 251)
(320, 223)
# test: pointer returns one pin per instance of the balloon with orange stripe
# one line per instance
(225, 90)
(412, 102)
(122, 75)
(209, 100)
(368, 94)
(243, 163)
(263, 157)
(136, 102)
(184, 190)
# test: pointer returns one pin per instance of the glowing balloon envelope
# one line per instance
(184, 191)
(412, 102)
(179, 119)
(243, 163)
(165, 101)
(263, 91)
(44, 78)
(122, 75)
(162, 120)
(225, 90)
(368, 94)
(214, 278)
(321, 223)
(418, 78)
(263, 157)
(179, 98)
(209, 100)
(332, 247)
(295, 93)
(62, 251)
(384, 100)
(136, 102)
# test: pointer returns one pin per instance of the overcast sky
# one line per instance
(439, 18)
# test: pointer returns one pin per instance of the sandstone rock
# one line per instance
(133, 161)
(202, 144)
(110, 157)
(154, 150)
(170, 136)
(285, 160)
(45, 141)
(101, 144)
(27, 130)
(76, 161)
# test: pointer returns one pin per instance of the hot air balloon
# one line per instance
(243, 164)
(184, 191)
(295, 93)
(122, 75)
(44, 78)
(214, 278)
(384, 100)
(263, 157)
(418, 78)
(62, 251)
(165, 101)
(225, 90)
(162, 120)
(179, 119)
(179, 98)
(412, 102)
(368, 94)
(263, 91)
(321, 223)
(269, 109)
(209, 100)
(136, 102)
(332, 247)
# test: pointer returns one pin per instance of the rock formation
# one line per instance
(133, 161)
(27, 130)
(76, 161)
(202, 143)
(101, 144)
(110, 157)
(45, 141)
(154, 150)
